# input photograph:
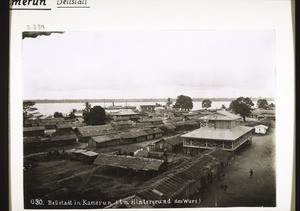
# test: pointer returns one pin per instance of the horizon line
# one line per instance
(157, 98)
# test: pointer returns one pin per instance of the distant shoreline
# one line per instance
(153, 100)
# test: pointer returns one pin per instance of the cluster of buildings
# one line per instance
(124, 127)
(198, 130)
(181, 182)
(211, 137)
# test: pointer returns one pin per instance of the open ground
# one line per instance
(242, 190)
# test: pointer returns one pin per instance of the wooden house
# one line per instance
(66, 139)
(120, 125)
(153, 121)
(64, 128)
(185, 181)
(153, 133)
(147, 108)
(187, 125)
(48, 123)
(269, 114)
(217, 130)
(130, 137)
(262, 113)
(104, 141)
(261, 129)
(144, 125)
(83, 155)
(123, 163)
(34, 131)
(86, 132)
(170, 144)
(125, 114)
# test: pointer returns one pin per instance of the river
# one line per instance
(65, 108)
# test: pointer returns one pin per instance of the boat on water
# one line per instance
(118, 107)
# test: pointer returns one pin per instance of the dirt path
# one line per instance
(242, 190)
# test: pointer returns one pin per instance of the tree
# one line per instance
(87, 109)
(28, 106)
(58, 115)
(272, 105)
(206, 103)
(184, 102)
(169, 103)
(263, 104)
(223, 106)
(72, 114)
(242, 106)
(96, 116)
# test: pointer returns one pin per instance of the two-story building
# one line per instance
(221, 129)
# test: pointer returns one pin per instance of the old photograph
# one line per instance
(149, 119)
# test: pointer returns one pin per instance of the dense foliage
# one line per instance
(58, 115)
(95, 116)
(169, 102)
(184, 102)
(263, 104)
(72, 114)
(206, 103)
(28, 106)
(242, 106)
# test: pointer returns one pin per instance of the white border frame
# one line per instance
(166, 15)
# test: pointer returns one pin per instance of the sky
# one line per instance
(150, 64)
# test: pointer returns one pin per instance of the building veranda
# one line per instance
(221, 129)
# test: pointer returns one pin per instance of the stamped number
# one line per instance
(36, 27)
(36, 202)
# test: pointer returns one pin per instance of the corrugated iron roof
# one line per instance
(170, 126)
(90, 153)
(113, 136)
(101, 139)
(77, 150)
(151, 131)
(30, 129)
(171, 183)
(97, 133)
(174, 119)
(221, 134)
(143, 124)
(156, 119)
(105, 138)
(195, 118)
(63, 137)
(229, 115)
(121, 123)
(64, 125)
(218, 153)
(31, 139)
(47, 121)
(94, 128)
(84, 152)
(189, 122)
(221, 115)
(129, 162)
(262, 111)
(132, 134)
(125, 113)
(174, 140)
(261, 126)
(69, 125)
